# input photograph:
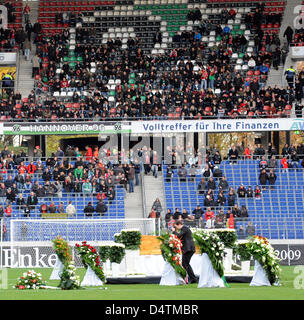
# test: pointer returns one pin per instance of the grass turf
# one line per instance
(238, 291)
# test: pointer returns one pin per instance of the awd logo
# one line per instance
(297, 125)
(3, 17)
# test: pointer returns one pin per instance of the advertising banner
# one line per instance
(155, 126)
(42, 255)
(63, 128)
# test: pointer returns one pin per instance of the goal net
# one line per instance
(77, 229)
(31, 246)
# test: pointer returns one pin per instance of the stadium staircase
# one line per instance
(276, 77)
(25, 82)
(134, 204)
(154, 189)
(279, 214)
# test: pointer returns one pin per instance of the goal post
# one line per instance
(30, 245)
(77, 229)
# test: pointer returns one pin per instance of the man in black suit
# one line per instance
(188, 248)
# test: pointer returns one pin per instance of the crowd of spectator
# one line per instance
(93, 174)
(208, 217)
(158, 85)
(214, 187)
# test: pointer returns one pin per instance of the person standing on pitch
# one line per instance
(188, 248)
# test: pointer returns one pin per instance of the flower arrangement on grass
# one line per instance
(30, 280)
(131, 238)
(171, 249)
(262, 251)
(62, 249)
(69, 280)
(210, 243)
(115, 252)
(90, 258)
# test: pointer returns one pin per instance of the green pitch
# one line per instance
(155, 292)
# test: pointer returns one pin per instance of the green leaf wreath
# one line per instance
(104, 252)
(114, 252)
(117, 253)
(227, 236)
(131, 238)
(242, 251)
(171, 249)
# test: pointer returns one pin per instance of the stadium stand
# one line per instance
(85, 44)
(278, 211)
(55, 182)
(159, 59)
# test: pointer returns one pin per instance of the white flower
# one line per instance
(217, 254)
(129, 230)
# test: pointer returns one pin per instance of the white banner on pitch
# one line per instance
(170, 277)
(90, 279)
(57, 270)
(209, 278)
(259, 277)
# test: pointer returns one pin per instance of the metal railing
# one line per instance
(272, 228)
(140, 118)
(143, 195)
(225, 163)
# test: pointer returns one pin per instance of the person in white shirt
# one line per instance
(251, 63)
(70, 209)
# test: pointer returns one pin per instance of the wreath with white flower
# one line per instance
(30, 280)
(171, 249)
(210, 243)
(90, 258)
(262, 251)
(227, 236)
(69, 280)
